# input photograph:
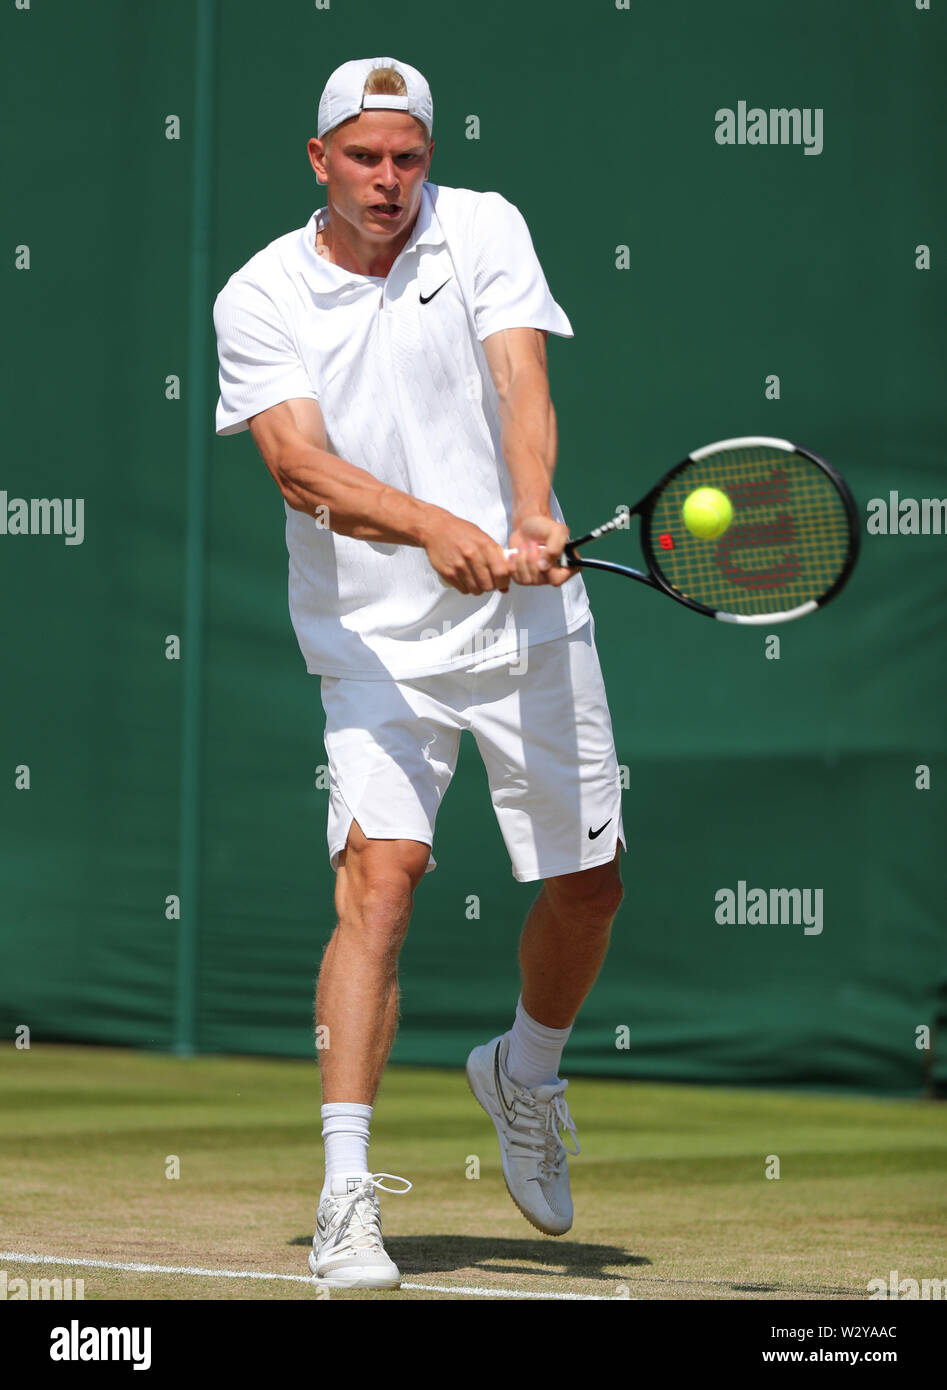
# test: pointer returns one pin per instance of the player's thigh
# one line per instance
(392, 749)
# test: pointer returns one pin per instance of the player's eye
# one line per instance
(362, 155)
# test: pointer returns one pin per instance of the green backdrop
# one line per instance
(196, 777)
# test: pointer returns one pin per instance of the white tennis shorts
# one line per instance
(544, 734)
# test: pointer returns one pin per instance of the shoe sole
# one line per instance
(484, 1105)
(359, 1281)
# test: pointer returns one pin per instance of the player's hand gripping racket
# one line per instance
(788, 543)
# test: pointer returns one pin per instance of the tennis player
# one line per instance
(389, 359)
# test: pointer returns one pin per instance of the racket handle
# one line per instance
(508, 553)
(566, 556)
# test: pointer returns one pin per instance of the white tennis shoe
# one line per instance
(529, 1123)
(347, 1250)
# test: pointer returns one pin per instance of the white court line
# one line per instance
(136, 1268)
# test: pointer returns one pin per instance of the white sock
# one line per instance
(535, 1051)
(345, 1133)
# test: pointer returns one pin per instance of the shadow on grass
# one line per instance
(416, 1255)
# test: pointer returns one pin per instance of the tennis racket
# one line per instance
(790, 547)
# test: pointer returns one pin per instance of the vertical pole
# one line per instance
(199, 400)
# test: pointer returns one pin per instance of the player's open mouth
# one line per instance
(386, 209)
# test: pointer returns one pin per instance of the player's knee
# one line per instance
(590, 898)
(605, 900)
(375, 896)
(386, 904)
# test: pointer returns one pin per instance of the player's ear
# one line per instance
(317, 154)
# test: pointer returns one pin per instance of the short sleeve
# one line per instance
(259, 364)
(510, 289)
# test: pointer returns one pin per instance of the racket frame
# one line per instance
(653, 577)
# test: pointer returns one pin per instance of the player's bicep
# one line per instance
(282, 430)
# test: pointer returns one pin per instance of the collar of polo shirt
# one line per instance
(426, 231)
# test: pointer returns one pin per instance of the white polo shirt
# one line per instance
(398, 369)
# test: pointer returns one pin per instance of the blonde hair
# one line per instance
(386, 82)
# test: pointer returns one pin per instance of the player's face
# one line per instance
(375, 168)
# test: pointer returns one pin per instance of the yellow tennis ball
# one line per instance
(707, 513)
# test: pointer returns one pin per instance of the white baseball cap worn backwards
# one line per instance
(344, 97)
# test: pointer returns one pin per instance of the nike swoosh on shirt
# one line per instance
(427, 299)
(594, 834)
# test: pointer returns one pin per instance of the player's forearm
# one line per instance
(352, 501)
(529, 441)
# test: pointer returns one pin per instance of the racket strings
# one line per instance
(787, 544)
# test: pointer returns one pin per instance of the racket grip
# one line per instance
(508, 553)
(566, 557)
